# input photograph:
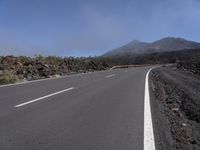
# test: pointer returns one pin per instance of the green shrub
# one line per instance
(39, 57)
(26, 60)
(54, 60)
(7, 78)
(1, 58)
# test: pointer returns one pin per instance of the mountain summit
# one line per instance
(162, 45)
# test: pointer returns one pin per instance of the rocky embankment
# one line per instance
(176, 96)
(191, 66)
(16, 69)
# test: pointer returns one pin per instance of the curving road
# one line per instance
(95, 111)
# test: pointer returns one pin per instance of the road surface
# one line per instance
(96, 111)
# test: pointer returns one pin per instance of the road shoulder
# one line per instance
(175, 108)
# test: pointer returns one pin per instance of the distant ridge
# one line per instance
(162, 45)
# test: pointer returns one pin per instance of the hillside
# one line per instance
(190, 55)
(163, 45)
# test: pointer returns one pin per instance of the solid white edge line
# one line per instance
(149, 143)
(112, 75)
(38, 99)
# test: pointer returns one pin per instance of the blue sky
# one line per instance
(92, 27)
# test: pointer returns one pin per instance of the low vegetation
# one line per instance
(28, 68)
(8, 77)
(13, 69)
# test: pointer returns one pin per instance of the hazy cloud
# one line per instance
(92, 27)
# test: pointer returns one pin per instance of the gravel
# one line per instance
(176, 95)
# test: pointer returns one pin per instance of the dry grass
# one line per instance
(8, 77)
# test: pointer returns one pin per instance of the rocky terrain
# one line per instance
(191, 66)
(176, 102)
(16, 69)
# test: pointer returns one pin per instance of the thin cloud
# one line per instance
(92, 27)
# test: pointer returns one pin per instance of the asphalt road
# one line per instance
(96, 111)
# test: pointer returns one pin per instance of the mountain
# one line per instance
(162, 45)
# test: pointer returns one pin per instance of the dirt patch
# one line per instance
(179, 93)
